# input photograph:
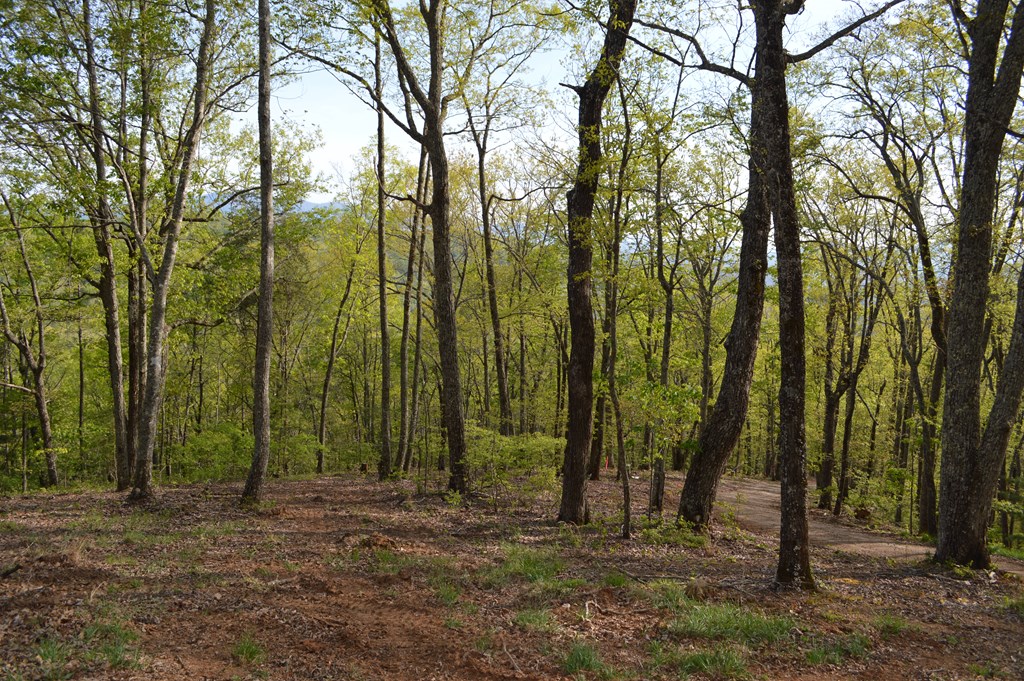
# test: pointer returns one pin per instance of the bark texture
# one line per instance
(265, 314)
(592, 94)
(972, 457)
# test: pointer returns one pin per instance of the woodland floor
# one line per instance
(345, 578)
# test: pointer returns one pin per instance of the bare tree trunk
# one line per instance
(417, 361)
(332, 355)
(719, 436)
(265, 314)
(107, 285)
(384, 463)
(592, 94)
(35, 361)
(794, 566)
(971, 457)
(404, 429)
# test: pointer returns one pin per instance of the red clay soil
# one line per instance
(346, 578)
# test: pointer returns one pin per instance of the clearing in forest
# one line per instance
(346, 578)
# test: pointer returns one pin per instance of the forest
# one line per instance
(738, 241)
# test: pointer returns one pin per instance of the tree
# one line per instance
(972, 456)
(592, 94)
(34, 359)
(265, 318)
(161, 274)
(384, 464)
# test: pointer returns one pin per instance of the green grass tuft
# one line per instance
(535, 620)
(721, 663)
(582, 658)
(522, 562)
(665, 594)
(836, 651)
(890, 626)
(730, 622)
(249, 651)
(53, 658)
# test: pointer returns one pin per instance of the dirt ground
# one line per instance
(346, 578)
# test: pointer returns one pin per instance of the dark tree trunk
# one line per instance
(405, 429)
(384, 462)
(971, 457)
(332, 355)
(794, 566)
(592, 95)
(722, 430)
(417, 359)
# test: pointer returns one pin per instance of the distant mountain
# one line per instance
(307, 206)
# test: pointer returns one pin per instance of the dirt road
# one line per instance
(756, 505)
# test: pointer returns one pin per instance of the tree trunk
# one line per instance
(384, 462)
(332, 354)
(794, 566)
(719, 436)
(404, 429)
(971, 458)
(107, 284)
(592, 94)
(265, 313)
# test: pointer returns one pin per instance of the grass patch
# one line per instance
(1015, 605)
(1016, 552)
(836, 651)
(447, 593)
(721, 663)
(113, 644)
(890, 626)
(525, 563)
(615, 580)
(665, 594)
(730, 622)
(444, 578)
(118, 559)
(583, 658)
(248, 651)
(535, 620)
(53, 656)
(671, 534)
